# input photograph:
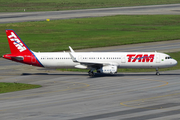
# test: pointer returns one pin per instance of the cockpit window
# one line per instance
(168, 57)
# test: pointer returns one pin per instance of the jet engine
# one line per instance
(108, 69)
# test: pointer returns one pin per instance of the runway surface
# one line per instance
(69, 14)
(76, 96)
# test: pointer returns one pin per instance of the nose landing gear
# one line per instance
(157, 72)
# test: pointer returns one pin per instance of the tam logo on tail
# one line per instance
(17, 42)
(20, 51)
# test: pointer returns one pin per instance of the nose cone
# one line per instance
(175, 62)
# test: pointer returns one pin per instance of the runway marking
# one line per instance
(166, 83)
(68, 88)
(146, 99)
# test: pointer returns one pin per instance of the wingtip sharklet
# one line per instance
(71, 49)
(73, 58)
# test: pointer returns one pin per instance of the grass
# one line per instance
(174, 55)
(56, 5)
(11, 87)
(57, 35)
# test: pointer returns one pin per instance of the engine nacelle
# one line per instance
(108, 69)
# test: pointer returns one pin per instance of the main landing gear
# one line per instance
(157, 72)
(91, 73)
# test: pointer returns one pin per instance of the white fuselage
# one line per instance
(119, 59)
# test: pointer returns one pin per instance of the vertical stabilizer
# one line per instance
(19, 50)
(15, 43)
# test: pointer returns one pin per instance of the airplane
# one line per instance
(102, 62)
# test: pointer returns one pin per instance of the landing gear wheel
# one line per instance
(91, 74)
(157, 72)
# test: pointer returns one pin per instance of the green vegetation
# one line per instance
(11, 87)
(56, 5)
(57, 35)
(174, 55)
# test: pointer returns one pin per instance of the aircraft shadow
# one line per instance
(53, 74)
(138, 74)
(103, 75)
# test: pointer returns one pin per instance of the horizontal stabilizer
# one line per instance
(14, 57)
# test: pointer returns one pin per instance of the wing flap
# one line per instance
(95, 63)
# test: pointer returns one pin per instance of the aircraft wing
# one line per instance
(96, 63)
(93, 64)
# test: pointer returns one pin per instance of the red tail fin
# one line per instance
(15, 43)
(19, 50)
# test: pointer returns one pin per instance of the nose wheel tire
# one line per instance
(157, 73)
